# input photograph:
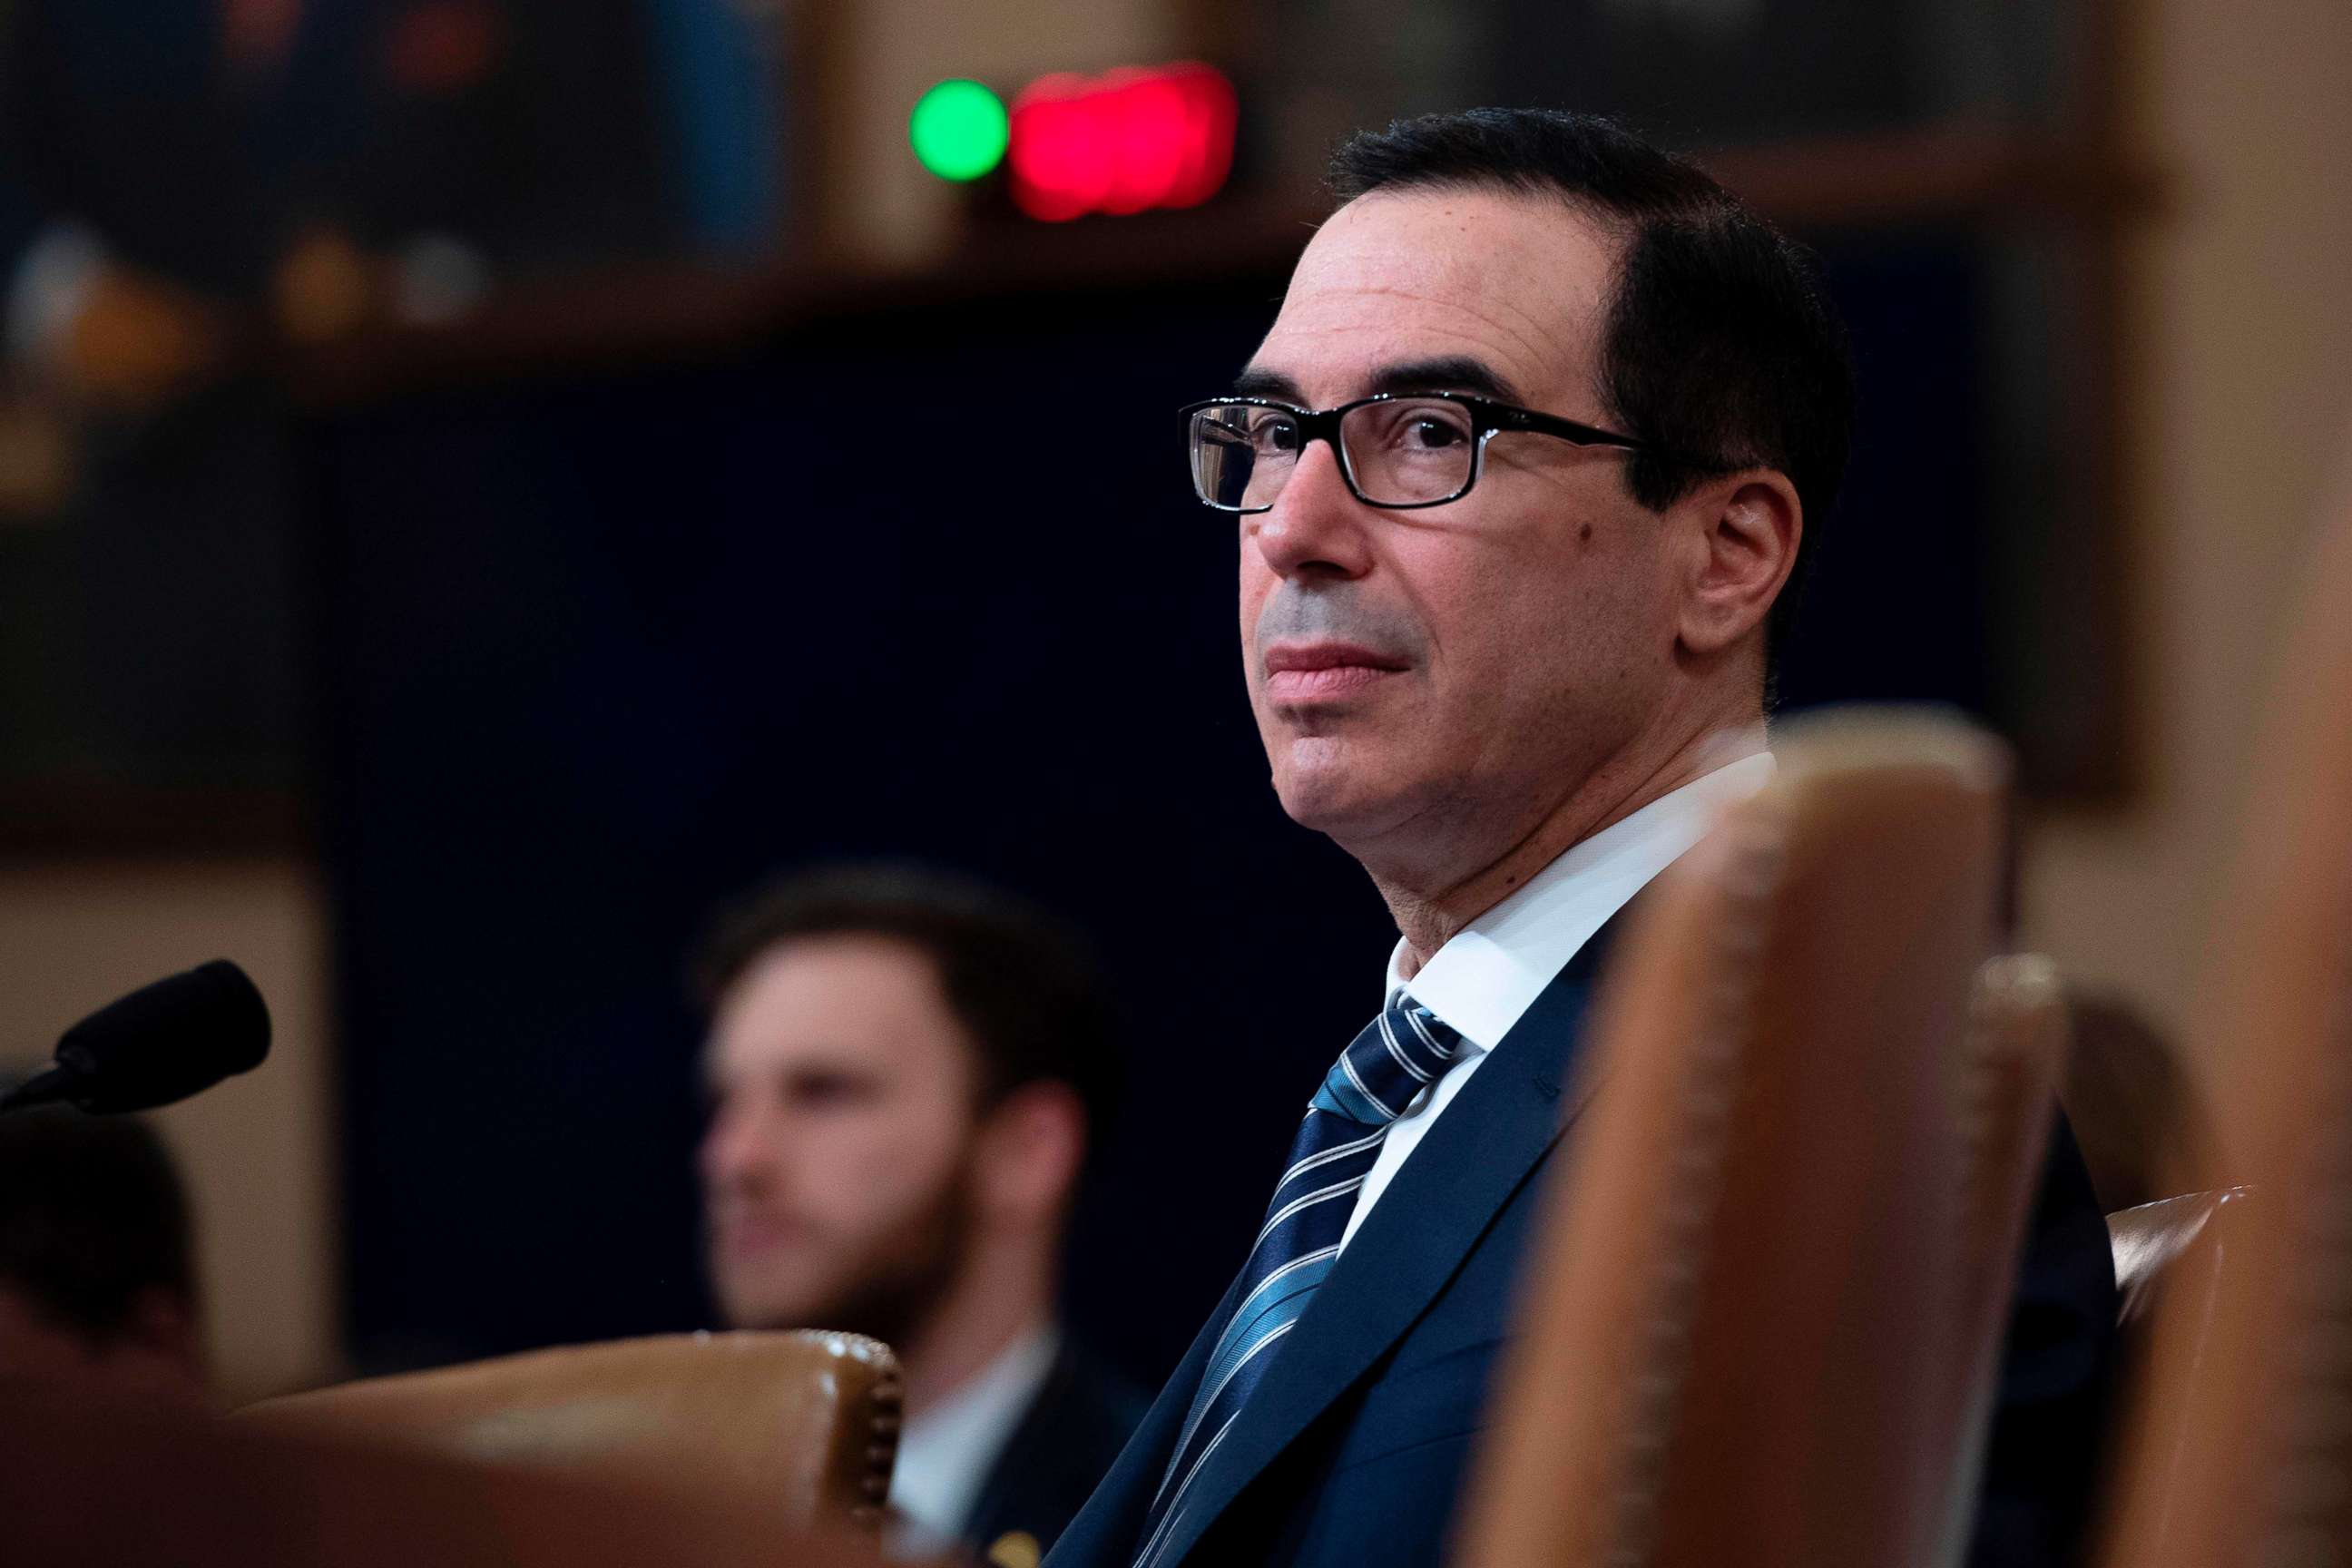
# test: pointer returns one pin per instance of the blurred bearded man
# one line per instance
(905, 1071)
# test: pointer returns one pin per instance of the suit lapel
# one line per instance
(1107, 1529)
(1467, 1166)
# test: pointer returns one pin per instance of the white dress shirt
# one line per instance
(946, 1452)
(1492, 970)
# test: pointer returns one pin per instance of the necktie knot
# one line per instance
(1399, 1053)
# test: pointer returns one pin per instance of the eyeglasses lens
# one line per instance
(1399, 452)
(1241, 453)
(1410, 451)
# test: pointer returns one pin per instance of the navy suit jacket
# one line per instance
(1073, 1429)
(1352, 1450)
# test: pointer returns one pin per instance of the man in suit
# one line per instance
(1545, 427)
(905, 1070)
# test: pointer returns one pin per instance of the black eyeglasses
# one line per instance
(1396, 451)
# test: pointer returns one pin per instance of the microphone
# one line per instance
(162, 1043)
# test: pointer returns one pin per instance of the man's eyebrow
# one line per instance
(1441, 372)
(1445, 373)
(1257, 382)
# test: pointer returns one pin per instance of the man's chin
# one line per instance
(766, 1317)
(1323, 788)
(773, 1304)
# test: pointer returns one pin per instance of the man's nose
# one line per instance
(1316, 526)
(736, 1152)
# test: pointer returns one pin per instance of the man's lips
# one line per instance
(1305, 672)
(742, 1233)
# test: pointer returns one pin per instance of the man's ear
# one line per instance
(1029, 1151)
(163, 1344)
(1749, 526)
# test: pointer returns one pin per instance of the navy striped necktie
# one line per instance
(1399, 1053)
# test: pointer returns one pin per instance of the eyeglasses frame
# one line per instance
(1488, 418)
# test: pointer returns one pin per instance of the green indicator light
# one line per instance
(959, 130)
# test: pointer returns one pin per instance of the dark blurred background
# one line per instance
(483, 480)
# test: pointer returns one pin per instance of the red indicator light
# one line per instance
(1123, 143)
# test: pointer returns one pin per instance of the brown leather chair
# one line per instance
(1802, 1139)
(805, 1424)
(2135, 1112)
(2010, 1068)
(2238, 1445)
(86, 1480)
(2169, 1253)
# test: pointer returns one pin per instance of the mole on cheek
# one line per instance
(1585, 533)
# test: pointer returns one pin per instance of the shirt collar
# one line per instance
(944, 1452)
(1492, 970)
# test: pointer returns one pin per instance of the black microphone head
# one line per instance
(166, 1041)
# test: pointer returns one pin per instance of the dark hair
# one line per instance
(92, 1219)
(1020, 982)
(1720, 345)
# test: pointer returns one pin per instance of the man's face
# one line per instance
(1432, 684)
(842, 1089)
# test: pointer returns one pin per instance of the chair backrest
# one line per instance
(2008, 1070)
(1801, 1143)
(2170, 1254)
(806, 1423)
(2237, 1449)
(2135, 1110)
(86, 1480)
